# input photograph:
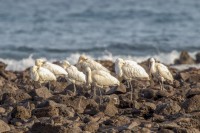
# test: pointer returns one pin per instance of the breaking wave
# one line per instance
(168, 58)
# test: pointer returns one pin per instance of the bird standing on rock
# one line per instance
(74, 75)
(100, 79)
(55, 69)
(85, 62)
(160, 72)
(130, 70)
(41, 75)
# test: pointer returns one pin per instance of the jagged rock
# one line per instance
(21, 113)
(48, 128)
(49, 111)
(4, 127)
(168, 108)
(192, 92)
(198, 57)
(91, 127)
(2, 110)
(43, 93)
(20, 95)
(165, 131)
(148, 93)
(109, 109)
(192, 104)
(184, 58)
(92, 107)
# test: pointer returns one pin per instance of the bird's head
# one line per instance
(65, 64)
(151, 62)
(82, 58)
(39, 62)
(120, 61)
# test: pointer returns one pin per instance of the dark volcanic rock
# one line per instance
(198, 57)
(4, 127)
(192, 92)
(21, 113)
(91, 127)
(192, 104)
(109, 109)
(48, 128)
(46, 111)
(43, 93)
(184, 58)
(28, 107)
(168, 108)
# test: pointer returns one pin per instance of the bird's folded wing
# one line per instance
(133, 71)
(164, 72)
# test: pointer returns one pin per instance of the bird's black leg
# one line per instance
(131, 91)
(49, 86)
(128, 86)
(74, 89)
(100, 96)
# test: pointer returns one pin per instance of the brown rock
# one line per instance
(163, 93)
(148, 93)
(198, 57)
(192, 92)
(58, 86)
(192, 104)
(48, 128)
(77, 103)
(2, 110)
(117, 90)
(165, 131)
(185, 130)
(20, 95)
(158, 118)
(46, 111)
(184, 58)
(168, 109)
(21, 113)
(112, 98)
(43, 93)
(92, 107)
(129, 126)
(91, 127)
(109, 109)
(185, 75)
(4, 127)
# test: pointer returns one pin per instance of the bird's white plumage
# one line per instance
(74, 75)
(55, 69)
(85, 62)
(159, 70)
(41, 74)
(130, 70)
(100, 78)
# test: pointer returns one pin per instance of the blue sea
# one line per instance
(101, 29)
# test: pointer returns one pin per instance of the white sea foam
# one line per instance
(168, 58)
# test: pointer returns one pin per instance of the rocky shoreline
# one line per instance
(27, 107)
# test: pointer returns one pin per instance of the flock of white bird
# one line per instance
(88, 72)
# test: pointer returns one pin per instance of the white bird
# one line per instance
(55, 69)
(100, 79)
(41, 75)
(74, 75)
(160, 72)
(85, 62)
(130, 70)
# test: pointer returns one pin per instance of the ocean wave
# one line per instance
(113, 46)
(167, 58)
